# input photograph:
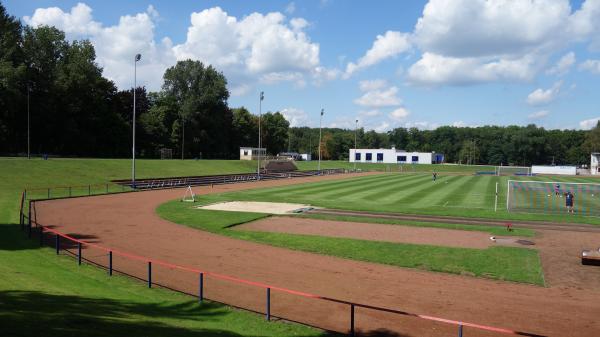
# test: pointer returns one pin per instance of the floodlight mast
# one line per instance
(135, 61)
(262, 96)
(320, 124)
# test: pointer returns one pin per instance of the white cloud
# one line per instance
(385, 46)
(589, 123)
(290, 8)
(370, 85)
(76, 23)
(399, 114)
(434, 69)
(379, 98)
(479, 41)
(538, 115)
(296, 117)
(540, 96)
(258, 47)
(115, 45)
(423, 125)
(563, 65)
(593, 66)
(478, 28)
(459, 124)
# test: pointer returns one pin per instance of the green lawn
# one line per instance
(413, 193)
(45, 295)
(504, 263)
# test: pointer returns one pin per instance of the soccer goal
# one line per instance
(513, 171)
(189, 195)
(551, 197)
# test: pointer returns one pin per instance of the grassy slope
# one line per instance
(504, 263)
(45, 295)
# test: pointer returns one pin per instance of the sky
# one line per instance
(384, 63)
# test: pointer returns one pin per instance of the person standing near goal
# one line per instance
(569, 202)
(557, 190)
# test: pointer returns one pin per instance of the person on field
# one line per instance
(569, 202)
(557, 189)
(434, 175)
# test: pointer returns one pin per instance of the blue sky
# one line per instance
(388, 64)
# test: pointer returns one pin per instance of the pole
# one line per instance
(268, 304)
(320, 125)
(28, 126)
(355, 130)
(135, 61)
(259, 138)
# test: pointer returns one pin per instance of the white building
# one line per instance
(595, 159)
(393, 156)
(252, 153)
(306, 156)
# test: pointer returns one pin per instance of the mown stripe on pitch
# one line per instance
(403, 193)
(317, 187)
(349, 191)
(425, 196)
(371, 194)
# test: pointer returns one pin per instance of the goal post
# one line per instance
(513, 170)
(549, 197)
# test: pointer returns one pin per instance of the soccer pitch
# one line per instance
(454, 195)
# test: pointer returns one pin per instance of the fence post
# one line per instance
(460, 330)
(201, 288)
(79, 253)
(57, 244)
(149, 274)
(29, 216)
(268, 304)
(351, 319)
(110, 269)
(41, 236)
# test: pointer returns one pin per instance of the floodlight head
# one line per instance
(357, 121)
(322, 112)
(138, 57)
(262, 95)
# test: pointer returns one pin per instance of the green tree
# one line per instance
(274, 132)
(205, 120)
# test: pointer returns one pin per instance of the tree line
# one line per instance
(75, 111)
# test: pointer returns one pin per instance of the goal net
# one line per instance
(551, 197)
(513, 171)
(189, 195)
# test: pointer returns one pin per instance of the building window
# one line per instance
(245, 152)
(401, 159)
(357, 156)
(415, 159)
(379, 157)
(369, 156)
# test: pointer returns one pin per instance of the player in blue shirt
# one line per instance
(569, 202)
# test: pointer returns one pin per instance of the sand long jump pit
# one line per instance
(258, 207)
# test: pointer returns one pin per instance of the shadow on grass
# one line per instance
(13, 238)
(40, 314)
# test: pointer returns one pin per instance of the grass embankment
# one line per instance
(503, 263)
(45, 295)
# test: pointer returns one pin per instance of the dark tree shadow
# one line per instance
(13, 238)
(26, 313)
(381, 333)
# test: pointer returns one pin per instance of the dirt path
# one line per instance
(128, 222)
(371, 231)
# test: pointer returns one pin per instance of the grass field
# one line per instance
(45, 295)
(503, 263)
(415, 193)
